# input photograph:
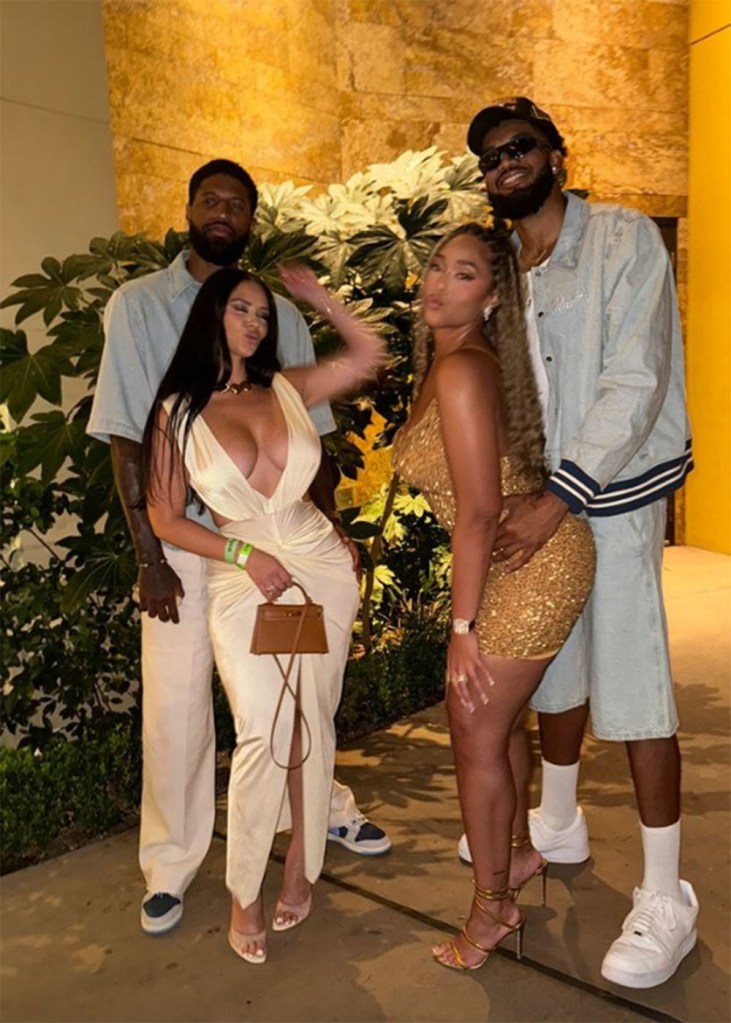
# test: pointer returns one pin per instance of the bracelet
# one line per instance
(461, 626)
(151, 564)
(243, 555)
(231, 550)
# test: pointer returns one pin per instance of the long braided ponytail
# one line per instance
(506, 333)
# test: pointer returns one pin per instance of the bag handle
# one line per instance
(286, 687)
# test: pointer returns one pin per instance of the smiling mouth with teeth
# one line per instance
(512, 175)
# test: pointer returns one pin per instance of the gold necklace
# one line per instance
(229, 388)
(528, 262)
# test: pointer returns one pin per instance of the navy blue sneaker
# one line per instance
(160, 913)
(361, 836)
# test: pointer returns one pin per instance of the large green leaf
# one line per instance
(382, 255)
(81, 335)
(49, 293)
(26, 376)
(104, 569)
(264, 255)
(49, 442)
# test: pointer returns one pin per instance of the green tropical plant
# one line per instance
(70, 642)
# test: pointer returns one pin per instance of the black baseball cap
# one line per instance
(519, 108)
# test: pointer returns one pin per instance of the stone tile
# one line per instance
(373, 57)
(595, 76)
(488, 65)
(532, 18)
(635, 23)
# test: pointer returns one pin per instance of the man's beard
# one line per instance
(524, 202)
(219, 251)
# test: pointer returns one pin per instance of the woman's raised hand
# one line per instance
(303, 285)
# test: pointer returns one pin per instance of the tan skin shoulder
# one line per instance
(470, 377)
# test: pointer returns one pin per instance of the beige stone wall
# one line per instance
(316, 89)
(612, 74)
(189, 80)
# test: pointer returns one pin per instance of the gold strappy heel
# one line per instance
(483, 895)
(517, 842)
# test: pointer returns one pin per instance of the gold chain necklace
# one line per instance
(229, 388)
(529, 262)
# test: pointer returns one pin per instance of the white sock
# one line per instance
(661, 847)
(558, 794)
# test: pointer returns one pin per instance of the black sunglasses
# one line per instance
(516, 149)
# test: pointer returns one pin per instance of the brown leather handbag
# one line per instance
(289, 629)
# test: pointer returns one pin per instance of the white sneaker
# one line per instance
(570, 845)
(160, 912)
(567, 845)
(656, 936)
(361, 836)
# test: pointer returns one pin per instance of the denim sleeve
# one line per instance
(296, 349)
(636, 361)
(123, 396)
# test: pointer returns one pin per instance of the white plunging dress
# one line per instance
(288, 526)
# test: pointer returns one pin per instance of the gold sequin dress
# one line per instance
(528, 613)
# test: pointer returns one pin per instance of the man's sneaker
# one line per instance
(570, 845)
(160, 913)
(361, 836)
(656, 936)
(567, 845)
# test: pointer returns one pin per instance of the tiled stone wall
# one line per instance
(317, 89)
(254, 80)
(612, 73)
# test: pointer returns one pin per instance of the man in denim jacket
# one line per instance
(605, 335)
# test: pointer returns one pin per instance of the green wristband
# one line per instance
(243, 555)
(231, 550)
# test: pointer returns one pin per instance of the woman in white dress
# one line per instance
(229, 424)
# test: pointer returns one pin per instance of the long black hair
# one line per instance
(202, 363)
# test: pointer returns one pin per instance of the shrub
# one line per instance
(67, 793)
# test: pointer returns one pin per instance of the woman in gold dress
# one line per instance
(474, 437)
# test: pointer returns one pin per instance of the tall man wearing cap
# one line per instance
(607, 350)
(143, 322)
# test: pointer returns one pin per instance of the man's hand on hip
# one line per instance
(527, 523)
(159, 589)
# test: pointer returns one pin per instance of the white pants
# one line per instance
(179, 741)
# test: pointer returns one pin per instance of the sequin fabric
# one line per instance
(528, 613)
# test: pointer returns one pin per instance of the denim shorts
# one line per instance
(617, 654)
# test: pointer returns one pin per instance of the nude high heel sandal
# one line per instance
(239, 939)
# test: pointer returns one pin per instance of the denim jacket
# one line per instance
(617, 433)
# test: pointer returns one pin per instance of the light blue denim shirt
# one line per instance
(617, 433)
(143, 322)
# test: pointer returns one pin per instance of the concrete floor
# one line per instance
(72, 950)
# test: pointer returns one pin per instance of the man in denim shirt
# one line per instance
(142, 325)
(603, 320)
